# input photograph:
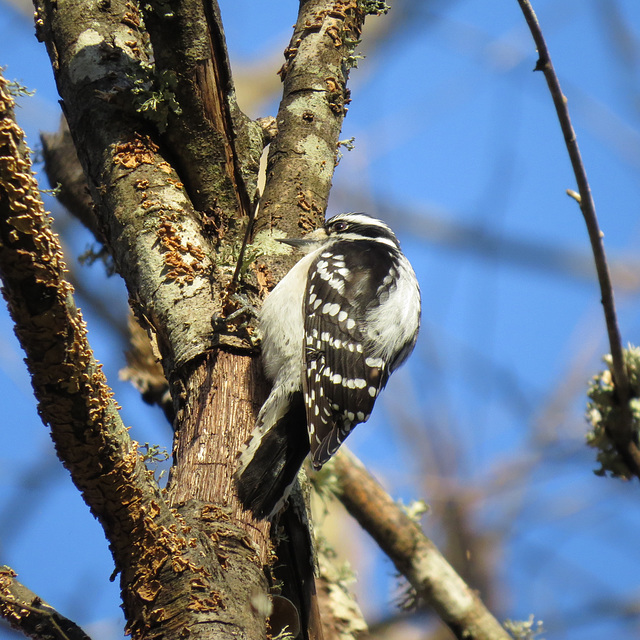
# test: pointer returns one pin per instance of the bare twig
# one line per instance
(413, 554)
(623, 439)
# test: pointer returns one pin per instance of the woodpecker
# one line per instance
(333, 330)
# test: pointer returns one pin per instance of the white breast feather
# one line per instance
(392, 326)
(282, 324)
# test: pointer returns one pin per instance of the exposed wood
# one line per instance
(225, 392)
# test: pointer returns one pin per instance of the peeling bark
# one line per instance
(225, 391)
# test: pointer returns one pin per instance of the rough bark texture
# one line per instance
(72, 392)
(179, 573)
(97, 53)
(222, 395)
(185, 569)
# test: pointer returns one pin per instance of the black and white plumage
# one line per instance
(333, 330)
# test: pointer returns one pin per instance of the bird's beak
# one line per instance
(296, 242)
(306, 241)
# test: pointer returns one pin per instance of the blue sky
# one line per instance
(451, 126)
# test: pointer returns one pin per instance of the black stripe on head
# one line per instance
(359, 224)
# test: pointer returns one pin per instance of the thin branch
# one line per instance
(624, 438)
(413, 554)
(28, 613)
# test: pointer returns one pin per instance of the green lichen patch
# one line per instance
(605, 414)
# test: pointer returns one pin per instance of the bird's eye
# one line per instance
(339, 226)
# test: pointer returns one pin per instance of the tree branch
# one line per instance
(624, 436)
(144, 213)
(28, 613)
(74, 399)
(303, 154)
(73, 396)
(413, 554)
(301, 162)
(161, 249)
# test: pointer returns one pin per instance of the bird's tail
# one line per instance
(277, 448)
